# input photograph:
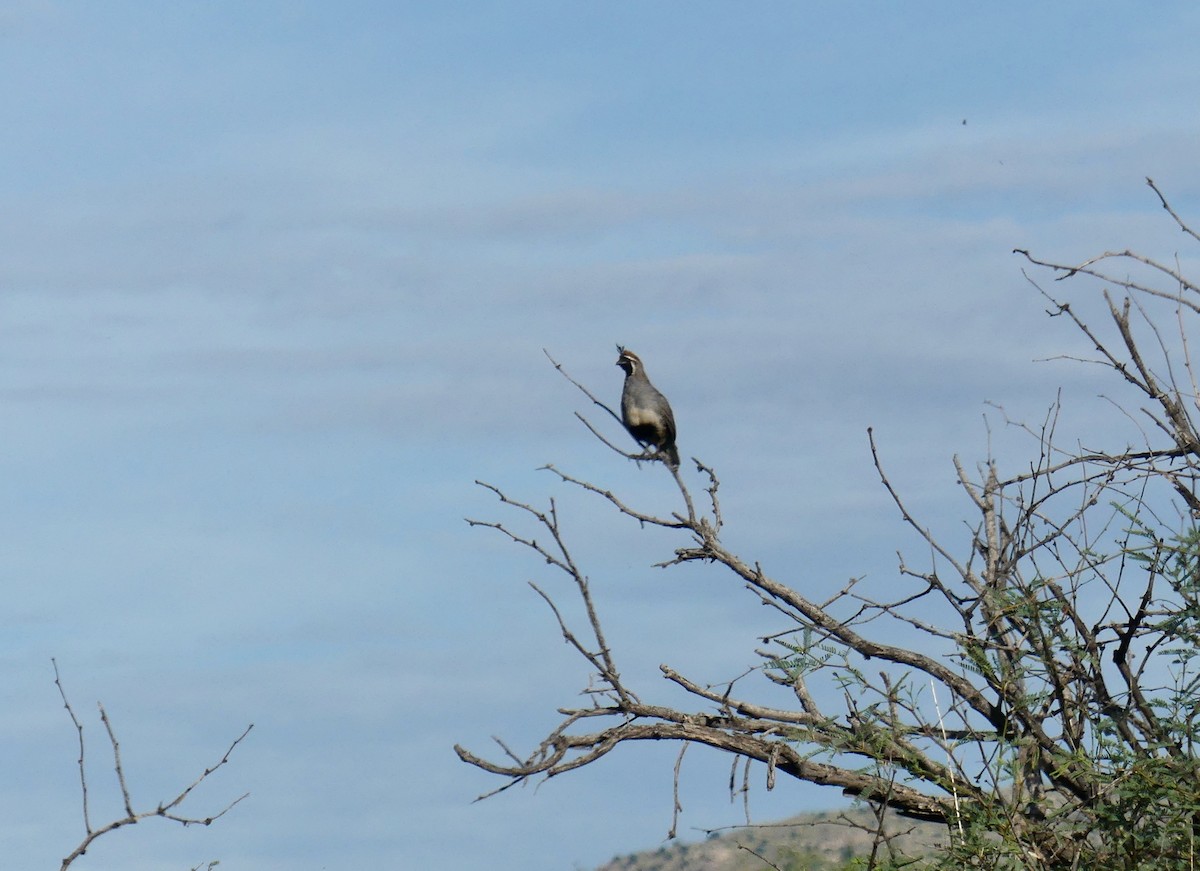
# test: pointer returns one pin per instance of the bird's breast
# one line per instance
(637, 416)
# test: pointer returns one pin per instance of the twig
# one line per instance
(676, 807)
(585, 391)
(1170, 211)
(949, 760)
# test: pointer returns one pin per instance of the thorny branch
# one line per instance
(166, 810)
(1053, 631)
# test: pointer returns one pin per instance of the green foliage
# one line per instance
(1142, 808)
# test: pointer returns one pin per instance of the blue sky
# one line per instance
(276, 284)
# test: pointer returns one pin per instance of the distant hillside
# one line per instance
(810, 842)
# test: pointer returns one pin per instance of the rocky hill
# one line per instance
(810, 842)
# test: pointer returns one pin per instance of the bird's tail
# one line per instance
(672, 455)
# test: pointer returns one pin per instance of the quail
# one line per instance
(646, 412)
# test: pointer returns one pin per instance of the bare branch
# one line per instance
(1170, 211)
(83, 789)
(131, 816)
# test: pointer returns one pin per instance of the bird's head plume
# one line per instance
(628, 360)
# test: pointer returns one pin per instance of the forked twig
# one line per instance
(164, 810)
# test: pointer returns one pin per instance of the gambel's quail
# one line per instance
(645, 411)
